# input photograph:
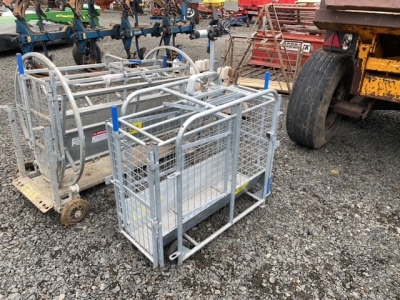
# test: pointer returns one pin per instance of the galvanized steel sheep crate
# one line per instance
(177, 164)
(61, 114)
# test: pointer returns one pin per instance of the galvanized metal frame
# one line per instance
(155, 187)
(60, 106)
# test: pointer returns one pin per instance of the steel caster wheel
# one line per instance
(74, 211)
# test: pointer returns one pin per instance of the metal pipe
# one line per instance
(165, 87)
(221, 230)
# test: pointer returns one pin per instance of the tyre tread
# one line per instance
(308, 95)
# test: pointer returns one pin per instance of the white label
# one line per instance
(98, 136)
(252, 12)
(75, 141)
(295, 46)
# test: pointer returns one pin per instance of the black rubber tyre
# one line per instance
(310, 120)
(192, 13)
(79, 58)
(60, 4)
(74, 211)
(196, 15)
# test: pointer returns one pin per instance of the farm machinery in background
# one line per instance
(84, 37)
(103, 4)
(196, 11)
(52, 14)
(54, 19)
(63, 4)
(231, 17)
(183, 10)
(356, 72)
(251, 8)
(281, 40)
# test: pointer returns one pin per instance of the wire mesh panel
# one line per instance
(174, 165)
(39, 111)
(206, 163)
(254, 138)
(134, 156)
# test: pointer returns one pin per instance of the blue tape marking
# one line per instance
(269, 186)
(266, 80)
(136, 61)
(114, 116)
(20, 64)
(180, 55)
(164, 61)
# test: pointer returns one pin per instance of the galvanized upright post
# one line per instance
(229, 153)
(56, 125)
(157, 220)
(26, 103)
(52, 167)
(212, 56)
(273, 144)
(17, 143)
(19, 92)
(152, 166)
(63, 114)
(179, 194)
(118, 175)
(235, 155)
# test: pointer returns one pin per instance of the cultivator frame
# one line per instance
(85, 38)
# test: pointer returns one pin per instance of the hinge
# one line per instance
(156, 225)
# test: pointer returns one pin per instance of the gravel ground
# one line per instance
(320, 236)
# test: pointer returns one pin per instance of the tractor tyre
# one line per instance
(196, 14)
(60, 5)
(324, 79)
(192, 13)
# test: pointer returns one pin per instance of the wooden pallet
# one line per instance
(254, 83)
